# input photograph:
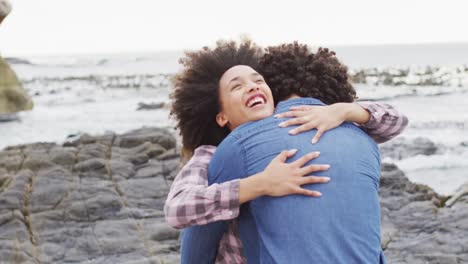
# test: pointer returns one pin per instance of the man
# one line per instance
(342, 227)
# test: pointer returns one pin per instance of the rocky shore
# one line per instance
(99, 199)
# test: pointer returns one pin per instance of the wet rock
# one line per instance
(12, 60)
(150, 106)
(402, 148)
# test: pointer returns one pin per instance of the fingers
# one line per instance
(295, 121)
(317, 136)
(313, 168)
(312, 180)
(302, 128)
(304, 159)
(306, 192)
(284, 155)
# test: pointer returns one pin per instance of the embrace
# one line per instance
(284, 166)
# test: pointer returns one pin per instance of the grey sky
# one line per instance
(96, 26)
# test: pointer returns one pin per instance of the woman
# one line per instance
(191, 201)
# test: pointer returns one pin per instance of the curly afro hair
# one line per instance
(293, 69)
(195, 96)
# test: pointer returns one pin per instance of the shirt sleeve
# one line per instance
(192, 202)
(229, 163)
(385, 122)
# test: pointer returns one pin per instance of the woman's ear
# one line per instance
(221, 119)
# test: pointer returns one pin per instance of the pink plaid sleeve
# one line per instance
(385, 122)
(192, 202)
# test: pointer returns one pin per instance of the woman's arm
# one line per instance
(381, 121)
(385, 121)
(192, 202)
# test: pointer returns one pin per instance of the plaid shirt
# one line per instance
(192, 202)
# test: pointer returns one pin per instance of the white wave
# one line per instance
(439, 162)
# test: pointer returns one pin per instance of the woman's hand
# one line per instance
(322, 118)
(280, 178)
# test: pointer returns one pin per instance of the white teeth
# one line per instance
(257, 99)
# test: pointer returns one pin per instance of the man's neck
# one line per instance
(292, 96)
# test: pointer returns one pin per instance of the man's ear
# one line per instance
(221, 119)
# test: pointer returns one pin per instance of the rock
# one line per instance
(12, 60)
(462, 191)
(9, 117)
(90, 201)
(99, 199)
(150, 106)
(415, 226)
(13, 98)
(5, 9)
(402, 148)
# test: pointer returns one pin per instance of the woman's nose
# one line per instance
(252, 86)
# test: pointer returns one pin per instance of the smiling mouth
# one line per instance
(255, 100)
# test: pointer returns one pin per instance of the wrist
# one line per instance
(344, 111)
(355, 113)
(259, 183)
(252, 187)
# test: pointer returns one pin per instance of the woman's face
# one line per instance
(244, 97)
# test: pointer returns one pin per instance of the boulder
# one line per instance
(13, 98)
(98, 199)
(5, 9)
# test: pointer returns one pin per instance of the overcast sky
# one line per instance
(97, 26)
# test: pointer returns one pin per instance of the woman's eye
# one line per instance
(259, 81)
(235, 87)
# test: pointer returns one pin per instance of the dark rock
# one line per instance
(414, 224)
(402, 148)
(13, 60)
(88, 201)
(150, 106)
(134, 138)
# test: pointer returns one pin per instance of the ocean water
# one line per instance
(98, 93)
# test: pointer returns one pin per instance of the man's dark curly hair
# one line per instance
(293, 69)
(195, 96)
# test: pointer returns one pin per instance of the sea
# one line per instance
(97, 93)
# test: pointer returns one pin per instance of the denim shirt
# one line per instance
(342, 226)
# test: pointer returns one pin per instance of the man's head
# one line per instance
(5, 9)
(197, 96)
(293, 69)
